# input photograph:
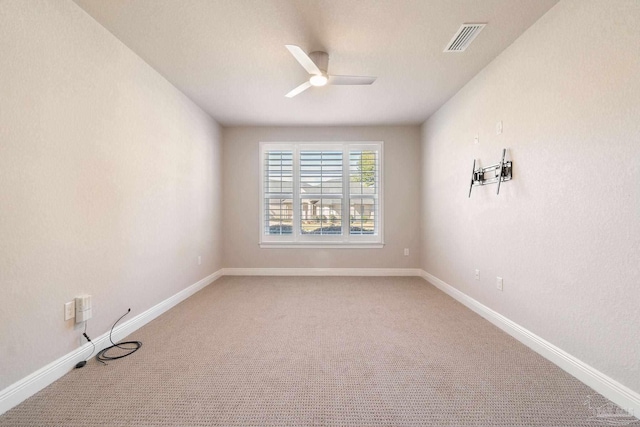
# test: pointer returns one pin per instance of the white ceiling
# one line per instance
(229, 55)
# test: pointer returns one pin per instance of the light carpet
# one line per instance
(317, 351)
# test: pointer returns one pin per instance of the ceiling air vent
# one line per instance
(463, 38)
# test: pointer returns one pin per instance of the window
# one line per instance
(325, 194)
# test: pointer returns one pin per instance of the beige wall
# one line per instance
(242, 198)
(110, 182)
(565, 233)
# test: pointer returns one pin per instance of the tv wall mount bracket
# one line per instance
(494, 174)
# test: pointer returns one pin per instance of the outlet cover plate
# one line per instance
(69, 310)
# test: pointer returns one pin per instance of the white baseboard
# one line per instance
(619, 394)
(31, 384)
(321, 271)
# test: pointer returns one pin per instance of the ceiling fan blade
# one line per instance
(304, 86)
(351, 80)
(303, 59)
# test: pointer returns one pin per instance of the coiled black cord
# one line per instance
(129, 346)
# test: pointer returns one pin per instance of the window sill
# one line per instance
(324, 245)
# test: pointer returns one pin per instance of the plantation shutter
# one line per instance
(278, 192)
(364, 185)
(321, 192)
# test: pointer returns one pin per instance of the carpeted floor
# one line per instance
(317, 351)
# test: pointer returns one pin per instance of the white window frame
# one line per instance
(345, 240)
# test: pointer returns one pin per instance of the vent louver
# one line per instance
(463, 38)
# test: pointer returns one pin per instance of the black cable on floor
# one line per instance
(84, 362)
(129, 346)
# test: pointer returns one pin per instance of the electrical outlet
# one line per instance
(477, 274)
(499, 283)
(199, 259)
(69, 310)
(406, 251)
(499, 127)
(83, 308)
(476, 139)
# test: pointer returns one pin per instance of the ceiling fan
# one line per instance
(316, 64)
